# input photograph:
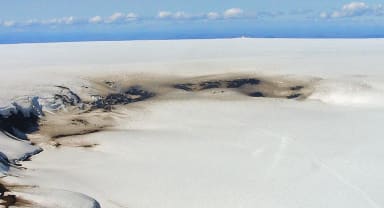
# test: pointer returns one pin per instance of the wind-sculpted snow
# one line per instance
(355, 92)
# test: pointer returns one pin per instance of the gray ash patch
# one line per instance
(83, 132)
(296, 88)
(131, 95)
(293, 96)
(78, 121)
(138, 93)
(185, 86)
(210, 85)
(214, 84)
(256, 94)
(3, 189)
(110, 84)
(236, 83)
(66, 97)
(252, 87)
(8, 200)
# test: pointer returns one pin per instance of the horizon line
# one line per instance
(11, 42)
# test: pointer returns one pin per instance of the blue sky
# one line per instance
(74, 20)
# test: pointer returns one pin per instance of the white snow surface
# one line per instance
(16, 149)
(58, 198)
(326, 151)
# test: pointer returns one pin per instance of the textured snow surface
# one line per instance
(16, 149)
(58, 198)
(325, 151)
(226, 154)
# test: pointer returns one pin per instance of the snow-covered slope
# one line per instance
(193, 123)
